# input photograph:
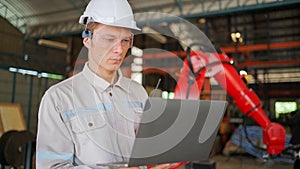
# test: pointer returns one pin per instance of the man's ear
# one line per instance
(87, 42)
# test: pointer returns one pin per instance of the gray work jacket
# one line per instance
(84, 121)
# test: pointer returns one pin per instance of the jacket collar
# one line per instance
(99, 82)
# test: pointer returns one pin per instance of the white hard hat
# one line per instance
(112, 13)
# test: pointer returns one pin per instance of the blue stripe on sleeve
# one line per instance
(48, 155)
(67, 115)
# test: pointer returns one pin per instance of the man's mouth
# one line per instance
(115, 60)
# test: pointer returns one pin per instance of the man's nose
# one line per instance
(118, 47)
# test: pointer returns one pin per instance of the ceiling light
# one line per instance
(202, 20)
(236, 37)
(53, 44)
(243, 72)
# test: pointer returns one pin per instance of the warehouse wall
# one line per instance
(10, 38)
(26, 90)
(20, 51)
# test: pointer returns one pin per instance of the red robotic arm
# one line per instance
(189, 86)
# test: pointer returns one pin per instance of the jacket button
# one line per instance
(90, 124)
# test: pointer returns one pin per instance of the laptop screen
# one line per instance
(176, 130)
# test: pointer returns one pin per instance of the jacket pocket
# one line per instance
(86, 123)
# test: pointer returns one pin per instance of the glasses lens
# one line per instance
(126, 43)
(109, 41)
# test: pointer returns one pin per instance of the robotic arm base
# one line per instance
(274, 138)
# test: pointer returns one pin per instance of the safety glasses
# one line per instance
(107, 40)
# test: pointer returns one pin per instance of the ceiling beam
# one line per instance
(246, 48)
(190, 9)
(259, 47)
(231, 49)
(55, 29)
(12, 18)
(268, 64)
(73, 3)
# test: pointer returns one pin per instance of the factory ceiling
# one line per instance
(269, 28)
(38, 18)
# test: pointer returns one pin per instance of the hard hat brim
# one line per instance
(85, 19)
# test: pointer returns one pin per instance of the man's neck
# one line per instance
(109, 76)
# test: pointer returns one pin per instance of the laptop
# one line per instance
(175, 131)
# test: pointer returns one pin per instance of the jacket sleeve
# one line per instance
(55, 148)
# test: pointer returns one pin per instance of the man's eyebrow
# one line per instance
(108, 35)
(128, 36)
(115, 36)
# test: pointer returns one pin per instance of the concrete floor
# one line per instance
(247, 162)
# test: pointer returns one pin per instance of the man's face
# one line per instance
(108, 47)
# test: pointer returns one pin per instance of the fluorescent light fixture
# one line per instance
(44, 74)
(35, 73)
(137, 51)
(165, 95)
(137, 77)
(136, 68)
(55, 76)
(31, 72)
(27, 72)
(138, 61)
(171, 95)
(53, 44)
(12, 69)
(154, 34)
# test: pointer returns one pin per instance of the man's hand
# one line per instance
(164, 166)
(129, 167)
(160, 166)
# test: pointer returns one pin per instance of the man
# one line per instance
(91, 118)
